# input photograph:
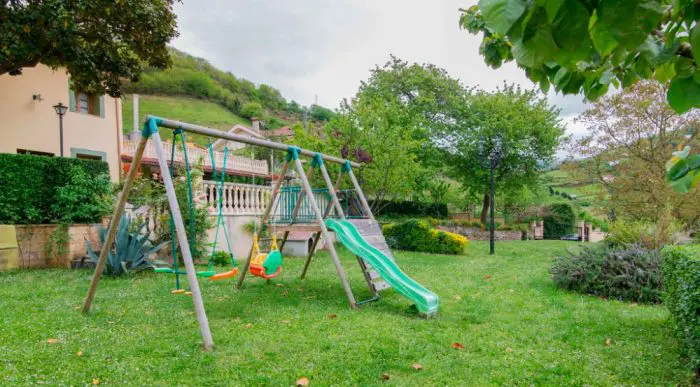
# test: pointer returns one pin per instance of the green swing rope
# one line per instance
(220, 200)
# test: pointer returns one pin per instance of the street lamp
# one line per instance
(494, 159)
(61, 111)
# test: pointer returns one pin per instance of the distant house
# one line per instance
(281, 133)
(29, 123)
(239, 130)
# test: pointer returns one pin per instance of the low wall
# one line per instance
(37, 250)
(477, 234)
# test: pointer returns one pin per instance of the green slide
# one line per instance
(347, 234)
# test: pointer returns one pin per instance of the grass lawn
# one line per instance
(186, 109)
(515, 326)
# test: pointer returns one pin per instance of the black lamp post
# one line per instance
(61, 111)
(494, 159)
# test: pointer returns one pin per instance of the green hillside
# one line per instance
(196, 111)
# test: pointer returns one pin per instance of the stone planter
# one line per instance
(38, 249)
(477, 234)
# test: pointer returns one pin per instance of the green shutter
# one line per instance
(102, 106)
(71, 100)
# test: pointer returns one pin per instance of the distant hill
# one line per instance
(191, 85)
(200, 111)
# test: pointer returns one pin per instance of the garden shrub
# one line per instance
(398, 208)
(40, 189)
(649, 235)
(221, 258)
(681, 273)
(625, 273)
(418, 235)
(559, 221)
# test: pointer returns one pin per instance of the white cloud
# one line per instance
(309, 48)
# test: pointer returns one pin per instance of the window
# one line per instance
(87, 154)
(83, 156)
(35, 153)
(87, 103)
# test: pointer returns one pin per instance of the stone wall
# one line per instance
(34, 241)
(477, 234)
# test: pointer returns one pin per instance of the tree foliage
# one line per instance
(586, 46)
(389, 126)
(519, 122)
(98, 43)
(630, 135)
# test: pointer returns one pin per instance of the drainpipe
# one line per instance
(117, 114)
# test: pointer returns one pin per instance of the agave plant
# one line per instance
(131, 251)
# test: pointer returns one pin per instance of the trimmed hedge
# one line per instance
(418, 235)
(409, 208)
(560, 220)
(681, 270)
(41, 189)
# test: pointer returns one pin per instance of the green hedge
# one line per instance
(397, 208)
(417, 235)
(40, 189)
(624, 273)
(560, 220)
(681, 270)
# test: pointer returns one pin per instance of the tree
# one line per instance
(520, 122)
(390, 126)
(630, 137)
(98, 43)
(252, 110)
(585, 46)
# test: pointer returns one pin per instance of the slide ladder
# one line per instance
(347, 233)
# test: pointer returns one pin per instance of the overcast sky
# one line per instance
(324, 48)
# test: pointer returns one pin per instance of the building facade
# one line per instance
(29, 123)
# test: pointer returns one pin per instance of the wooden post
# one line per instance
(331, 189)
(295, 210)
(114, 224)
(324, 232)
(358, 189)
(266, 215)
(184, 244)
(317, 235)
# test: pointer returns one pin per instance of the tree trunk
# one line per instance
(485, 208)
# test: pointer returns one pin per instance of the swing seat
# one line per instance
(168, 270)
(270, 267)
(259, 271)
(224, 275)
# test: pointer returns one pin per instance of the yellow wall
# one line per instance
(33, 125)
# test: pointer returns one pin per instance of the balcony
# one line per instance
(235, 165)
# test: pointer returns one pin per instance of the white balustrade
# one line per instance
(237, 199)
(199, 155)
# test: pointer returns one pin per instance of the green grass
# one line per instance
(196, 111)
(515, 326)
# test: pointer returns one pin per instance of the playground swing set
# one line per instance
(362, 236)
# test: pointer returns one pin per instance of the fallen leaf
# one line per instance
(456, 345)
(249, 325)
(416, 366)
(79, 353)
(285, 293)
(285, 322)
(303, 382)
(279, 285)
(310, 297)
(95, 382)
(52, 341)
(332, 315)
(608, 342)
(457, 297)
(385, 376)
(487, 277)
(509, 349)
